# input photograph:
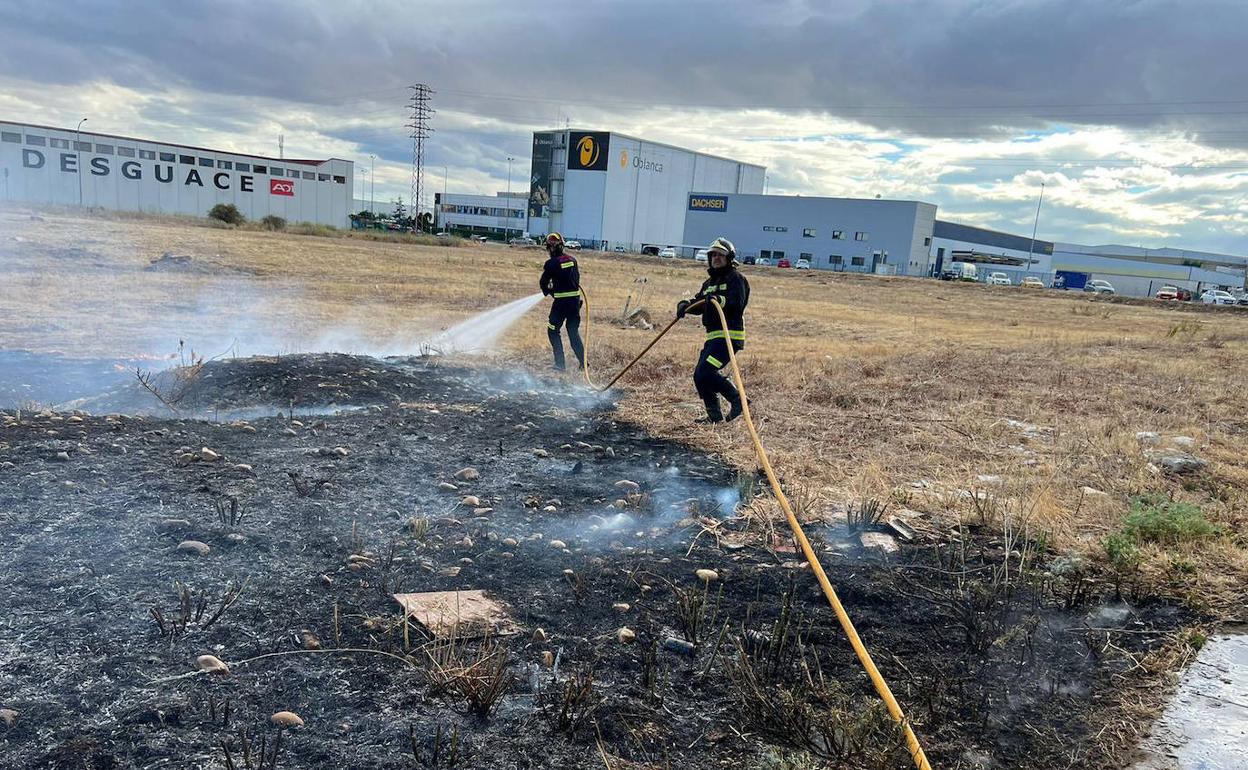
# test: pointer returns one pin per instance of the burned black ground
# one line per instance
(994, 673)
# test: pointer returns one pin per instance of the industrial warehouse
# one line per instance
(62, 166)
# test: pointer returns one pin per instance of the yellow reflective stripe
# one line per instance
(722, 287)
(731, 334)
(551, 326)
(566, 294)
(567, 264)
(715, 362)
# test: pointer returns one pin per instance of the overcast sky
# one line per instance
(1133, 113)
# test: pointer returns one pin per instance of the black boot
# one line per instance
(713, 413)
(734, 409)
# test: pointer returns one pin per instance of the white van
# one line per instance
(961, 271)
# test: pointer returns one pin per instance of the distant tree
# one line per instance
(273, 222)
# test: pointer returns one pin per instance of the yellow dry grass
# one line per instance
(891, 388)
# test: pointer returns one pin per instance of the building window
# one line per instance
(808, 232)
(782, 229)
(768, 229)
(242, 167)
(927, 241)
(186, 160)
(764, 254)
(322, 177)
(225, 164)
(167, 157)
(82, 146)
(778, 254)
(104, 149)
(309, 175)
(206, 162)
(292, 173)
(804, 255)
(859, 261)
(37, 141)
(10, 136)
(60, 144)
(260, 169)
(125, 152)
(860, 236)
(275, 171)
(836, 259)
(838, 235)
(340, 179)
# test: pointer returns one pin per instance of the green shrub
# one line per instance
(1156, 519)
(228, 213)
(273, 222)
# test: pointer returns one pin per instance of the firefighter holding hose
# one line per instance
(732, 291)
(561, 280)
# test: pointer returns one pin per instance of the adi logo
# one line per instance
(588, 150)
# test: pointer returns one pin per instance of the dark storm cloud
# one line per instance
(948, 68)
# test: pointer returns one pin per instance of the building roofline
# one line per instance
(657, 144)
(819, 198)
(305, 161)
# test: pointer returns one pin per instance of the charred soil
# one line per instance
(313, 520)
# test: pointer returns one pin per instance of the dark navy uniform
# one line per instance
(561, 280)
(733, 292)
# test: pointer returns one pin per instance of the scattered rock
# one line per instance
(193, 547)
(74, 419)
(8, 716)
(565, 447)
(540, 453)
(992, 481)
(310, 640)
(625, 635)
(621, 607)
(559, 544)
(290, 432)
(208, 456)
(247, 428)
(540, 636)
(550, 509)
(621, 503)
(1176, 461)
(1148, 437)
(628, 486)
(62, 457)
(447, 486)
(243, 468)
(286, 719)
(1183, 442)
(482, 511)
(510, 542)
(472, 501)
(707, 575)
(173, 525)
(467, 474)
(679, 646)
(1091, 492)
(466, 542)
(212, 664)
(548, 659)
(236, 538)
(879, 541)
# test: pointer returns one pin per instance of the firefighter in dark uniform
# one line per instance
(733, 292)
(561, 280)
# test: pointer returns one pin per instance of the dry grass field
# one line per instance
(953, 404)
(865, 387)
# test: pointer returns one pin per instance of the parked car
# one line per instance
(442, 234)
(572, 245)
(1098, 286)
(1217, 297)
(783, 262)
(621, 250)
(1032, 282)
(999, 279)
(960, 271)
(763, 261)
(701, 255)
(802, 264)
(1185, 295)
(522, 241)
(1241, 298)
(749, 259)
(479, 238)
(667, 253)
(1169, 293)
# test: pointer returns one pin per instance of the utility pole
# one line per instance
(281, 146)
(420, 116)
(78, 150)
(372, 183)
(507, 206)
(438, 216)
(1035, 226)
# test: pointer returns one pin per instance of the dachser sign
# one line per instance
(67, 163)
(717, 203)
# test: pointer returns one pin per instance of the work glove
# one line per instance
(681, 308)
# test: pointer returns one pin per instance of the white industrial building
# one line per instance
(607, 189)
(842, 234)
(502, 215)
(1017, 256)
(62, 166)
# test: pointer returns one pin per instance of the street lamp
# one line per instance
(372, 184)
(78, 149)
(507, 205)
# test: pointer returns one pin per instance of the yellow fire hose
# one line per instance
(847, 625)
